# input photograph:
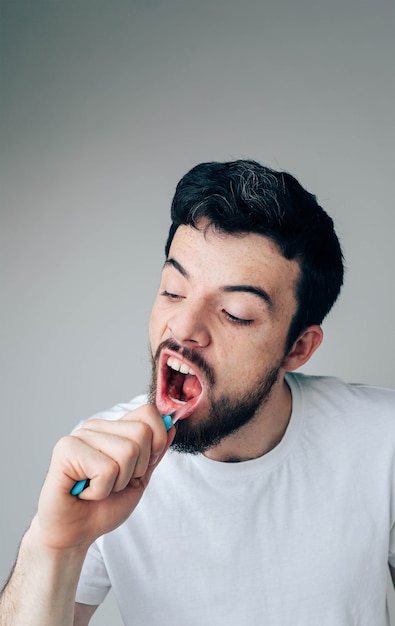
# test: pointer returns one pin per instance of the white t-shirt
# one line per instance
(301, 536)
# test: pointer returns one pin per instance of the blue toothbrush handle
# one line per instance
(80, 485)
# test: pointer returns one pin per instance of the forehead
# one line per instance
(215, 258)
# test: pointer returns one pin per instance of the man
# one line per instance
(275, 504)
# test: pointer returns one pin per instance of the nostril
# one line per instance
(189, 336)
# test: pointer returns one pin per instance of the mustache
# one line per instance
(189, 354)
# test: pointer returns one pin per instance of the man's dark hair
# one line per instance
(246, 197)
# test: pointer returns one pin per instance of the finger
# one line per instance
(73, 459)
(133, 429)
(170, 436)
(128, 444)
(148, 414)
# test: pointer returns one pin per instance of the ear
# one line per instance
(303, 348)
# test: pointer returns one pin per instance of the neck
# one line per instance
(263, 433)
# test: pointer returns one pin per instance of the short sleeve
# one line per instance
(94, 583)
(118, 411)
(391, 549)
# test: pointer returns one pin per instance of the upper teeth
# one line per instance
(176, 365)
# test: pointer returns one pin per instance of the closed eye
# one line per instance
(237, 320)
(170, 296)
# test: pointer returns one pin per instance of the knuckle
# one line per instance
(145, 430)
(90, 424)
(132, 449)
(110, 467)
(63, 445)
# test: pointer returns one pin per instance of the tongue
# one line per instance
(191, 387)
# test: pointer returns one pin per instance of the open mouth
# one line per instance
(180, 386)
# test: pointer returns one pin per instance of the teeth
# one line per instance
(176, 365)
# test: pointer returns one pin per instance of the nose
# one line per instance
(189, 326)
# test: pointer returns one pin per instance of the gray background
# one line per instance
(105, 105)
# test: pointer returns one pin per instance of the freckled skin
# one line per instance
(238, 333)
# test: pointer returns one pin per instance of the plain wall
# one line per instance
(104, 106)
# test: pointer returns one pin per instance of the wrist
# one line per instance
(41, 590)
(37, 546)
(53, 572)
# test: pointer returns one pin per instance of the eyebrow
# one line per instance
(177, 266)
(256, 291)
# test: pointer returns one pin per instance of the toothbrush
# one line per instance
(80, 485)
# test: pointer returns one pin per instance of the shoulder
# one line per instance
(345, 425)
(349, 409)
(339, 393)
(118, 410)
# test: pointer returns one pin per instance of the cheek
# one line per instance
(241, 359)
(153, 327)
(157, 325)
(249, 359)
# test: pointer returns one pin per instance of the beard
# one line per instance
(225, 416)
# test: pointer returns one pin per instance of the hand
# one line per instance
(119, 458)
